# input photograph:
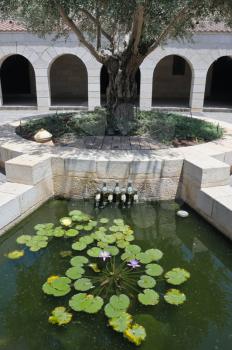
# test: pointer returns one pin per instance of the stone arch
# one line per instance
(18, 83)
(172, 81)
(68, 78)
(104, 81)
(218, 88)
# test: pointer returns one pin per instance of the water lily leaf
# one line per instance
(71, 232)
(83, 284)
(120, 302)
(133, 249)
(121, 323)
(94, 267)
(122, 244)
(119, 222)
(75, 212)
(144, 258)
(111, 312)
(154, 270)
(177, 276)
(79, 227)
(146, 282)
(47, 226)
(57, 287)
(79, 246)
(79, 260)
(174, 297)
(129, 238)
(135, 334)
(58, 232)
(108, 239)
(104, 220)
(155, 254)
(65, 253)
(99, 236)
(112, 250)
(102, 229)
(148, 297)
(86, 240)
(16, 254)
(93, 223)
(66, 221)
(94, 252)
(60, 316)
(102, 245)
(113, 228)
(86, 302)
(87, 228)
(75, 272)
(23, 239)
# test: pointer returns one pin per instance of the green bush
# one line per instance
(163, 127)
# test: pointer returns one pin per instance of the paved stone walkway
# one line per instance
(112, 143)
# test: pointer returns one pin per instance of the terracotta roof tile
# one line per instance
(11, 26)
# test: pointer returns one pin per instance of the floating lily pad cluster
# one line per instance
(107, 272)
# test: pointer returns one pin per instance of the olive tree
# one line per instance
(120, 34)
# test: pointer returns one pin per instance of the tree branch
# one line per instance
(137, 28)
(178, 17)
(67, 20)
(95, 21)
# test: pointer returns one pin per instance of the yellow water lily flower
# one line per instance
(52, 278)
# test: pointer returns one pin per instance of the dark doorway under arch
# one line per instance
(18, 82)
(218, 90)
(68, 81)
(104, 81)
(172, 79)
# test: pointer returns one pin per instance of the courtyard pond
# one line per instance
(114, 279)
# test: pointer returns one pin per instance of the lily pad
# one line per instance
(144, 258)
(121, 323)
(79, 260)
(71, 232)
(120, 302)
(148, 297)
(16, 254)
(111, 312)
(86, 240)
(155, 254)
(154, 270)
(174, 297)
(118, 222)
(86, 302)
(146, 282)
(177, 276)
(112, 250)
(104, 220)
(23, 239)
(83, 284)
(75, 272)
(66, 221)
(65, 253)
(75, 212)
(122, 244)
(108, 239)
(79, 246)
(135, 334)
(57, 287)
(58, 232)
(60, 316)
(94, 252)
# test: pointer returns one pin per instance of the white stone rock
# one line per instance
(182, 213)
(42, 136)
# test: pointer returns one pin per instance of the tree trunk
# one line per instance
(121, 97)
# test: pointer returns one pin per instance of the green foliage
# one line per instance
(177, 276)
(60, 316)
(16, 254)
(174, 297)
(148, 297)
(163, 127)
(104, 266)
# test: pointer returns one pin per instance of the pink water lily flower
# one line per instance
(104, 255)
(133, 263)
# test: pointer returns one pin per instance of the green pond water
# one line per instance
(203, 322)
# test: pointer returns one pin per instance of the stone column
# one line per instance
(198, 90)
(42, 89)
(146, 88)
(94, 89)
